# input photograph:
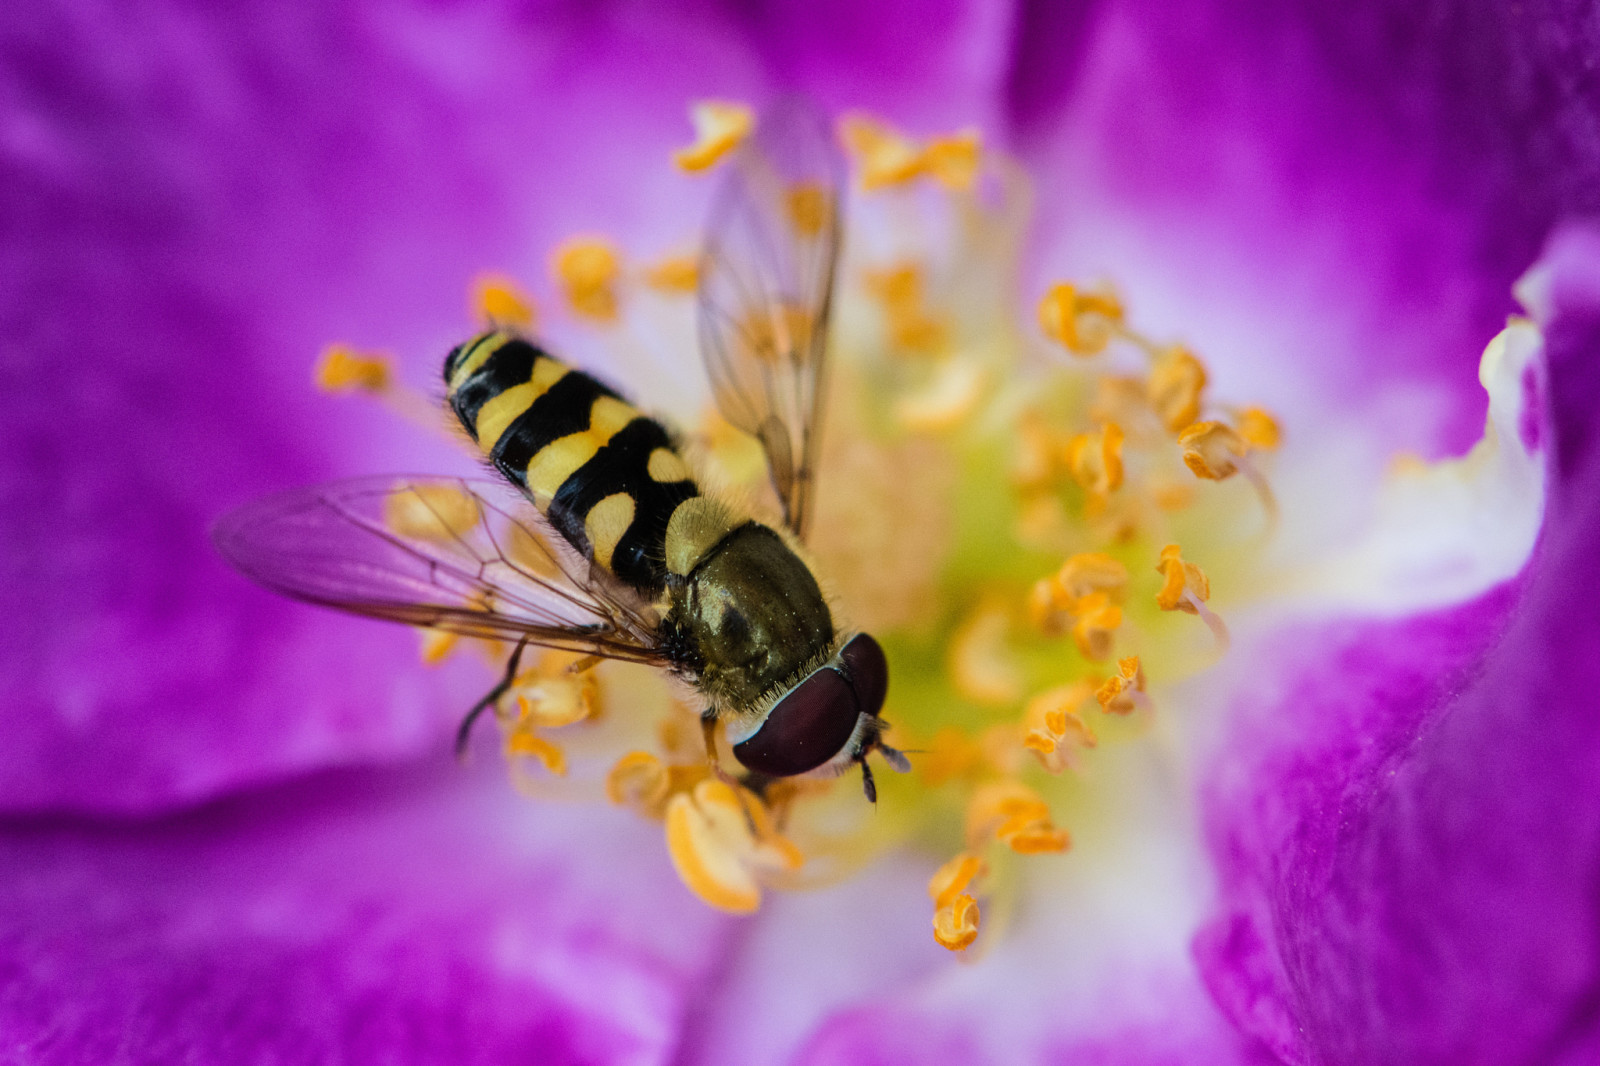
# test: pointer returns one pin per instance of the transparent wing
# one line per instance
(440, 552)
(766, 291)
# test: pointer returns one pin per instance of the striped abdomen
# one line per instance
(607, 476)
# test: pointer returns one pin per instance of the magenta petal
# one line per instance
(424, 916)
(1409, 837)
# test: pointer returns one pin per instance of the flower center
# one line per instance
(1014, 509)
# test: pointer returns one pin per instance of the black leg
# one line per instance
(868, 783)
(464, 732)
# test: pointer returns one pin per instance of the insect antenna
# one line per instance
(464, 731)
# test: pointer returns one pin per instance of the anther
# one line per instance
(1186, 588)
(1259, 429)
(587, 269)
(885, 157)
(1096, 459)
(1081, 322)
(430, 512)
(1174, 387)
(810, 207)
(500, 303)
(1096, 626)
(952, 879)
(955, 925)
(722, 842)
(676, 275)
(1123, 691)
(719, 127)
(437, 644)
(526, 744)
(979, 661)
(1214, 451)
(1054, 729)
(341, 368)
(639, 780)
(953, 160)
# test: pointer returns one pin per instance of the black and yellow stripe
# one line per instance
(608, 477)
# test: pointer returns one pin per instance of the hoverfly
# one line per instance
(612, 550)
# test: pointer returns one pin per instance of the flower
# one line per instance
(231, 830)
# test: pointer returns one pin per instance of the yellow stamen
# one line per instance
(1123, 690)
(885, 157)
(1034, 837)
(1081, 322)
(958, 387)
(955, 925)
(1096, 459)
(587, 269)
(719, 127)
(1259, 429)
(431, 512)
(1003, 806)
(639, 780)
(1211, 450)
(952, 879)
(676, 275)
(341, 368)
(1054, 729)
(899, 290)
(1096, 627)
(979, 661)
(1085, 574)
(501, 303)
(953, 160)
(721, 842)
(950, 756)
(1176, 381)
(437, 644)
(1183, 583)
(810, 209)
(527, 744)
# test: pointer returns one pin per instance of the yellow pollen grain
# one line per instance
(884, 157)
(719, 128)
(720, 840)
(676, 275)
(341, 368)
(953, 161)
(810, 208)
(1259, 429)
(955, 925)
(638, 780)
(587, 269)
(979, 661)
(1096, 459)
(1176, 381)
(430, 512)
(606, 523)
(1081, 322)
(499, 301)
(952, 879)
(1211, 450)
(526, 744)
(1178, 578)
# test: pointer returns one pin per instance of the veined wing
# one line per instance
(439, 552)
(766, 292)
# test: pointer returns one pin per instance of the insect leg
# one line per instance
(464, 732)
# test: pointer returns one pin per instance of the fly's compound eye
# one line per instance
(817, 718)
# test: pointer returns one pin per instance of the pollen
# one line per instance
(1123, 690)
(719, 128)
(501, 303)
(952, 879)
(1211, 450)
(954, 160)
(526, 744)
(1259, 429)
(587, 269)
(723, 844)
(955, 925)
(1081, 322)
(810, 208)
(1096, 459)
(675, 275)
(1011, 812)
(1183, 583)
(979, 661)
(342, 369)
(885, 158)
(1175, 384)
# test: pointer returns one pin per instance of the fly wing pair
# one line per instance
(450, 554)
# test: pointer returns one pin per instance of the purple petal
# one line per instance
(420, 916)
(1408, 834)
(198, 202)
(1370, 178)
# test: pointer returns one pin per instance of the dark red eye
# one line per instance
(868, 668)
(806, 728)
(814, 721)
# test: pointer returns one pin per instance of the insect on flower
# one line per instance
(621, 555)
